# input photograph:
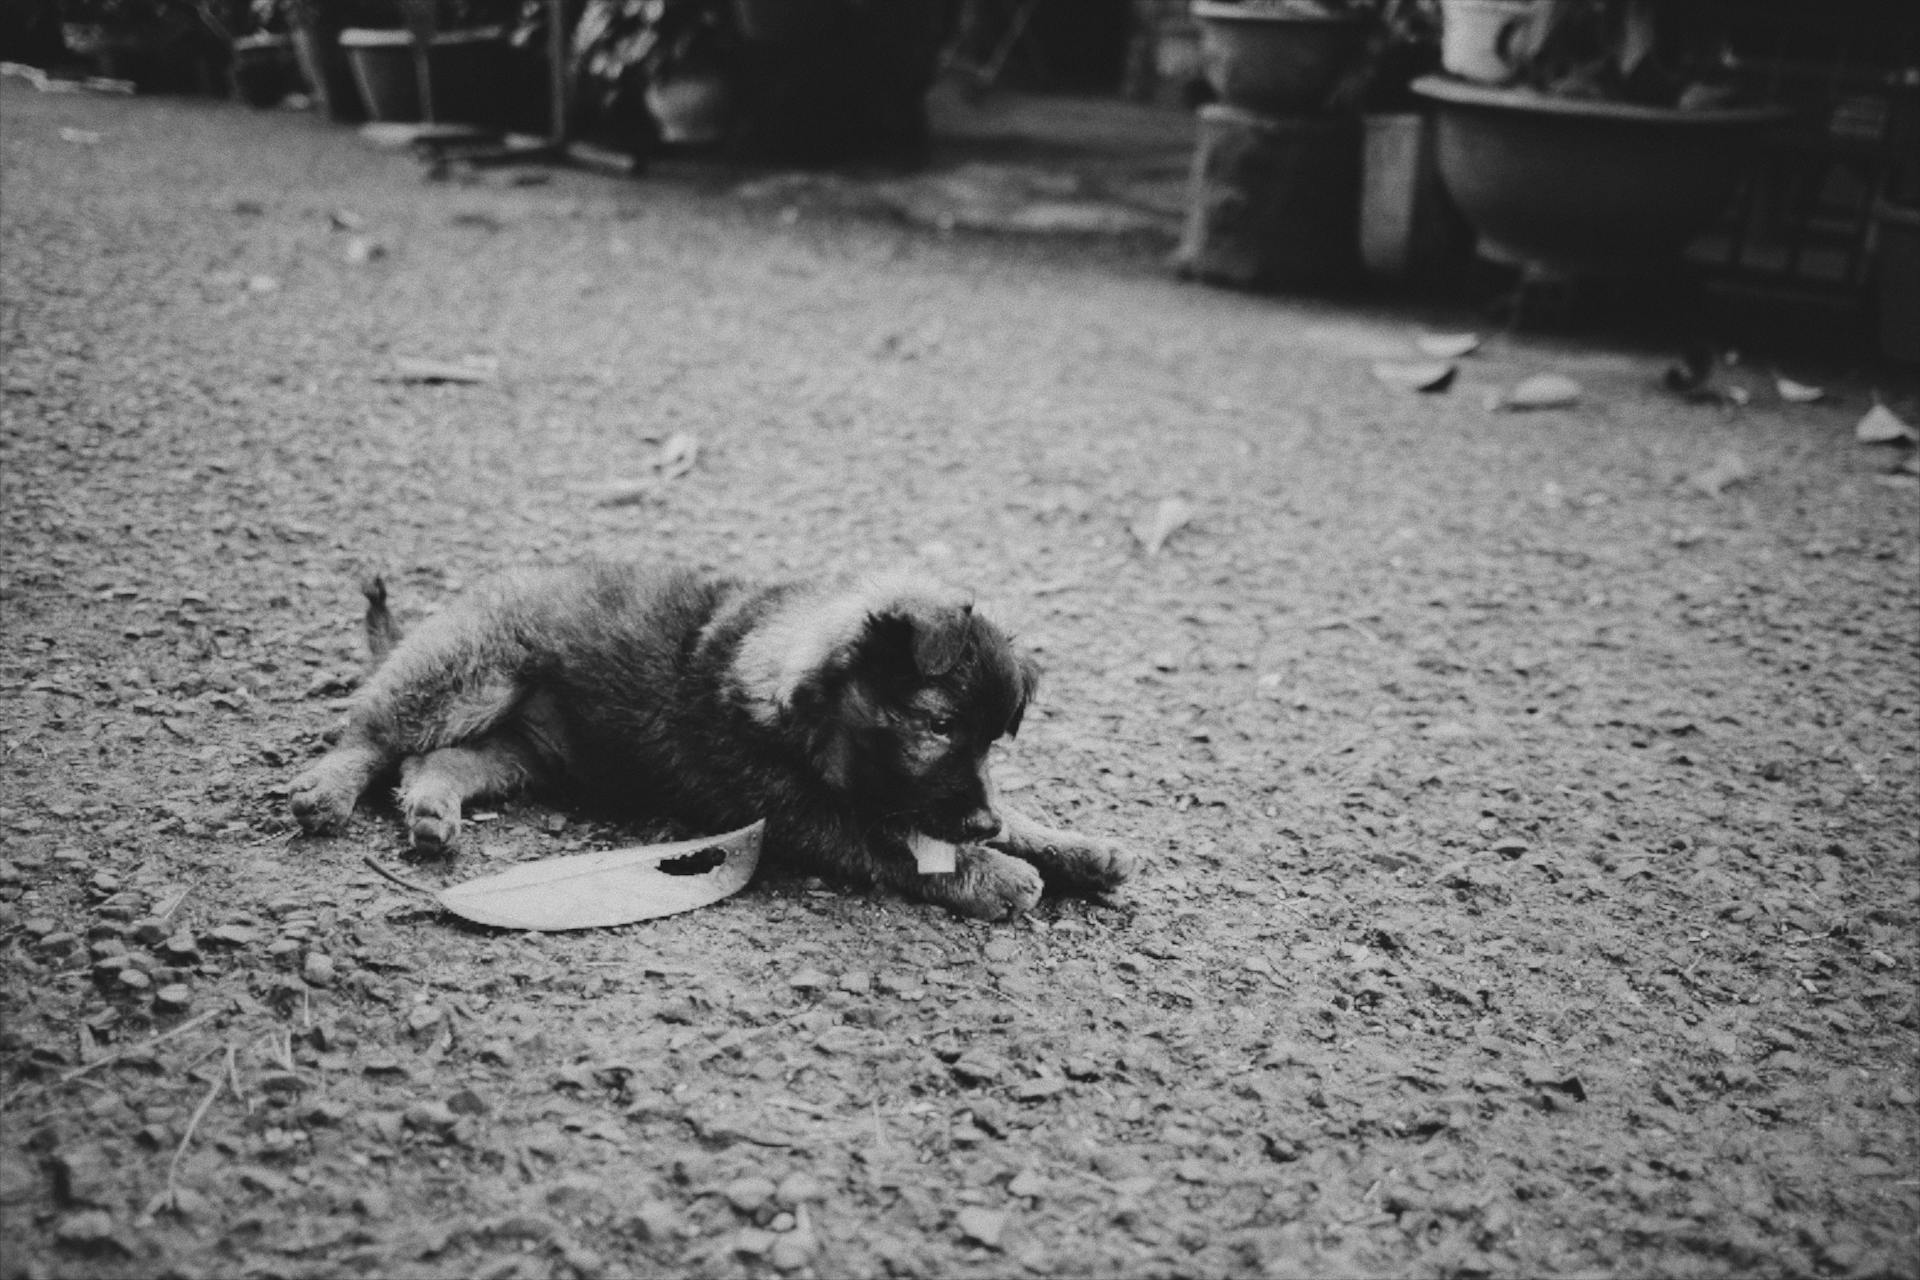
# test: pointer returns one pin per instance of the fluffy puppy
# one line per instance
(852, 720)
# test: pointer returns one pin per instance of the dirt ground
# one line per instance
(1530, 800)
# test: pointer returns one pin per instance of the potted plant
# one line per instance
(1617, 143)
(656, 69)
(155, 44)
(1281, 57)
(431, 60)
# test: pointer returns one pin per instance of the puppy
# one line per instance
(853, 720)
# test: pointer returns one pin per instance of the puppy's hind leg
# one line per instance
(436, 786)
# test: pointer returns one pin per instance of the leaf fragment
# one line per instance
(1881, 425)
(1447, 346)
(1168, 518)
(1798, 392)
(610, 886)
(1542, 391)
(1419, 375)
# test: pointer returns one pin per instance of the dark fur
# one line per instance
(849, 720)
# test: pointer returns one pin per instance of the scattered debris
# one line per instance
(1541, 391)
(1727, 470)
(471, 369)
(1882, 425)
(364, 249)
(1447, 346)
(1169, 517)
(1434, 375)
(677, 455)
(1798, 392)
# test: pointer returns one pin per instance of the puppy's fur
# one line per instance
(851, 720)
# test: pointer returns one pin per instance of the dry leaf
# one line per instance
(678, 455)
(1798, 392)
(1543, 391)
(611, 886)
(1727, 470)
(416, 369)
(1171, 516)
(1424, 375)
(1882, 425)
(1447, 346)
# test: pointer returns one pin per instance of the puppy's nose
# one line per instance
(981, 824)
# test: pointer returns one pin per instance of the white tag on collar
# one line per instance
(933, 857)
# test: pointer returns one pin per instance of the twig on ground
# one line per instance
(115, 1056)
(199, 1114)
(399, 879)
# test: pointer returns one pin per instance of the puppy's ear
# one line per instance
(1028, 674)
(932, 636)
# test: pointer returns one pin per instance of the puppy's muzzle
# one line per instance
(980, 825)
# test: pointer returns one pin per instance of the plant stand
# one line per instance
(1273, 200)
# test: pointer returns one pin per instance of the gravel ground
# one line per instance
(1528, 799)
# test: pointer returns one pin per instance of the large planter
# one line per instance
(1273, 200)
(1278, 58)
(465, 69)
(1896, 269)
(323, 65)
(264, 69)
(1409, 230)
(1577, 187)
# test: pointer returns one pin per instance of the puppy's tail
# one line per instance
(382, 631)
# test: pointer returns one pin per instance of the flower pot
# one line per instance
(1272, 201)
(1476, 37)
(691, 109)
(1896, 278)
(264, 69)
(1409, 229)
(464, 68)
(1277, 58)
(323, 65)
(1581, 187)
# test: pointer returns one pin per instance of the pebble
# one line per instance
(173, 997)
(798, 1188)
(749, 1193)
(134, 980)
(91, 1229)
(983, 1226)
(233, 935)
(434, 1116)
(653, 1221)
(793, 1250)
(318, 970)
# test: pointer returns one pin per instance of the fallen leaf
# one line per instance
(1436, 375)
(1542, 391)
(610, 886)
(1169, 517)
(416, 369)
(1798, 392)
(678, 455)
(1447, 346)
(1882, 425)
(1727, 470)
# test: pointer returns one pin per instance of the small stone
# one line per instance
(181, 948)
(1039, 1090)
(319, 970)
(373, 1202)
(233, 935)
(467, 1103)
(435, 1117)
(58, 943)
(798, 1188)
(793, 1250)
(983, 1226)
(653, 1221)
(753, 1242)
(92, 1230)
(749, 1193)
(1027, 1184)
(134, 980)
(809, 980)
(172, 998)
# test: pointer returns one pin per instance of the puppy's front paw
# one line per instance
(434, 828)
(1095, 865)
(989, 885)
(322, 799)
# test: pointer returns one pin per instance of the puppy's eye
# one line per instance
(940, 726)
